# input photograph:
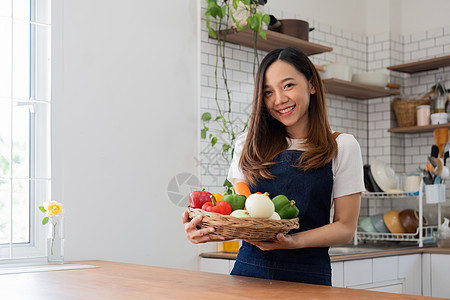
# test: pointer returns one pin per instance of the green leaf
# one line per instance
(213, 141)
(235, 4)
(45, 220)
(203, 132)
(41, 208)
(225, 147)
(218, 118)
(262, 33)
(266, 19)
(246, 2)
(212, 33)
(206, 116)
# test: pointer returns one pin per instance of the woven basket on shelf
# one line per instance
(406, 110)
(243, 228)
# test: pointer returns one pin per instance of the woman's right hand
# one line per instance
(195, 235)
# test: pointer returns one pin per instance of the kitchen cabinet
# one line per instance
(394, 274)
(274, 40)
(215, 265)
(436, 284)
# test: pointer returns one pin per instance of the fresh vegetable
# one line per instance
(260, 205)
(242, 189)
(285, 208)
(240, 213)
(198, 198)
(275, 216)
(222, 207)
(236, 201)
(217, 196)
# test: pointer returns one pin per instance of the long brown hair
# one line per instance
(266, 136)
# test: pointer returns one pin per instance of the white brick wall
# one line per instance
(367, 120)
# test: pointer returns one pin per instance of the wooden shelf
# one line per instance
(423, 65)
(418, 129)
(274, 40)
(356, 90)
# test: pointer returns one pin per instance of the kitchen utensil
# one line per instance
(297, 28)
(378, 223)
(412, 184)
(392, 221)
(379, 79)
(439, 166)
(446, 155)
(366, 225)
(337, 70)
(384, 175)
(445, 172)
(439, 118)
(434, 151)
(437, 179)
(441, 139)
(409, 219)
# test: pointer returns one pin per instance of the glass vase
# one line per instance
(55, 240)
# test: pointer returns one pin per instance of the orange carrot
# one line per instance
(242, 188)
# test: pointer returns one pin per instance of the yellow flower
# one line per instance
(53, 208)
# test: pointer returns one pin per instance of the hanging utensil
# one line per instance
(434, 151)
(441, 139)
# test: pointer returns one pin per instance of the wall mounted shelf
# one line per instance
(356, 90)
(422, 65)
(418, 129)
(274, 40)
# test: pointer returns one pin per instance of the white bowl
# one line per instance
(439, 118)
(371, 78)
(337, 70)
(384, 175)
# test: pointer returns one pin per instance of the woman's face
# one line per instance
(286, 94)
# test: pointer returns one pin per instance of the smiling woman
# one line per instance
(290, 150)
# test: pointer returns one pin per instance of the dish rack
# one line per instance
(422, 234)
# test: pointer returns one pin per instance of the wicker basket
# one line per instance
(406, 110)
(243, 228)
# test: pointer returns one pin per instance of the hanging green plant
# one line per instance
(222, 16)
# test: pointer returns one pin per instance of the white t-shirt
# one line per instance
(347, 165)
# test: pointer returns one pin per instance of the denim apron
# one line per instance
(311, 191)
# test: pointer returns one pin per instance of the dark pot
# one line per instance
(297, 28)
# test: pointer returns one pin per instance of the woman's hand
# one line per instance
(195, 235)
(282, 242)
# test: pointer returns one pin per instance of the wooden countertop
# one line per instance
(127, 281)
(344, 257)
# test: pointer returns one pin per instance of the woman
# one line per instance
(290, 150)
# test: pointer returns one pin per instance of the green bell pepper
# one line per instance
(285, 208)
(236, 201)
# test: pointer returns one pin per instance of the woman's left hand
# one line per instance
(282, 242)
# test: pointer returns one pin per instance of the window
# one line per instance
(25, 106)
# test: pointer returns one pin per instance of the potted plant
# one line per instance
(221, 17)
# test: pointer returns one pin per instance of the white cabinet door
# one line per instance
(357, 272)
(337, 274)
(385, 268)
(440, 283)
(215, 265)
(410, 269)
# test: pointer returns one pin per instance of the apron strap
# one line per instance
(336, 134)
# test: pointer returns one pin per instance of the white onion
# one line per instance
(259, 206)
(275, 216)
(240, 213)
